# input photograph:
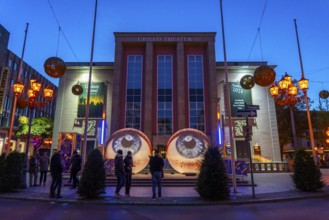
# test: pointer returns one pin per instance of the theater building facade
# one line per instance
(164, 91)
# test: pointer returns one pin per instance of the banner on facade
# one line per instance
(3, 86)
(96, 102)
(238, 96)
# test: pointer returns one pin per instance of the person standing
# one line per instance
(156, 168)
(75, 168)
(33, 169)
(44, 163)
(56, 169)
(119, 172)
(128, 161)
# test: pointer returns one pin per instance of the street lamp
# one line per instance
(32, 93)
(288, 93)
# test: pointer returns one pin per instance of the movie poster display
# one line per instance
(238, 97)
(96, 103)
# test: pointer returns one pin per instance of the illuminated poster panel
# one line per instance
(238, 97)
(96, 103)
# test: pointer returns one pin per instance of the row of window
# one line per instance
(165, 92)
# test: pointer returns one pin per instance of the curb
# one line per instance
(170, 201)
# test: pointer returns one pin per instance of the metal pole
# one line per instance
(306, 99)
(228, 103)
(26, 161)
(13, 109)
(293, 126)
(88, 90)
(250, 157)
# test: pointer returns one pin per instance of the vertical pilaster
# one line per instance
(181, 90)
(148, 85)
(117, 113)
(212, 91)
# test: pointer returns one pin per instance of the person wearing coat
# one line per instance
(75, 168)
(128, 171)
(33, 169)
(119, 172)
(44, 164)
(56, 169)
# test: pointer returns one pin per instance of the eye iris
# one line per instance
(127, 143)
(189, 146)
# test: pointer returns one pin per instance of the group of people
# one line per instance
(38, 163)
(123, 172)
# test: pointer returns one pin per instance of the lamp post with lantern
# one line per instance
(32, 94)
(287, 93)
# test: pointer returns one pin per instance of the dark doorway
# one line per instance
(242, 151)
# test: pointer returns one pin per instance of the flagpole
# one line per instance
(84, 147)
(228, 102)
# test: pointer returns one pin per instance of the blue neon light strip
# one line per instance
(103, 130)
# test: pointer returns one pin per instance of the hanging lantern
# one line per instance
(54, 67)
(77, 89)
(264, 76)
(247, 82)
(21, 103)
(324, 94)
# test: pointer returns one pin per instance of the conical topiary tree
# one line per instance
(307, 176)
(213, 182)
(93, 179)
(12, 174)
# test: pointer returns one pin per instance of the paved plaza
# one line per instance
(269, 187)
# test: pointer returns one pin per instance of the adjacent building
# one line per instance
(9, 68)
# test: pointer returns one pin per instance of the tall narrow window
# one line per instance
(196, 92)
(165, 90)
(134, 91)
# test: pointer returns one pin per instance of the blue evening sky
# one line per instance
(242, 19)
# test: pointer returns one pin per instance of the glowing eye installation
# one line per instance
(189, 146)
(129, 139)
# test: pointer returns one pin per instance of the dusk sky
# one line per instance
(242, 18)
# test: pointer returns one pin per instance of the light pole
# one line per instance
(228, 103)
(13, 109)
(303, 84)
(84, 147)
(32, 93)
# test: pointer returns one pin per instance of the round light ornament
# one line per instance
(77, 89)
(324, 94)
(54, 67)
(247, 82)
(264, 76)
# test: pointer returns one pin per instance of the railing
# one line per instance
(272, 167)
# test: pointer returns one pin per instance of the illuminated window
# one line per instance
(134, 91)
(196, 92)
(165, 89)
